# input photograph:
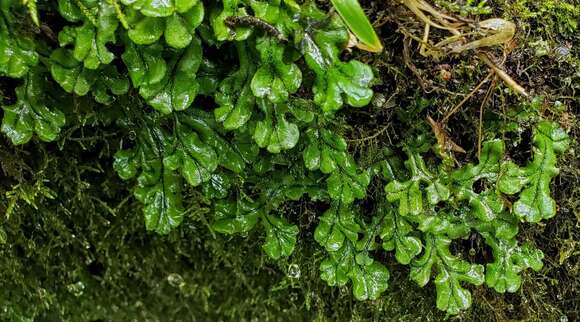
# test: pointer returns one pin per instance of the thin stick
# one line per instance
(454, 109)
(416, 7)
(374, 136)
(422, 50)
(407, 60)
(481, 107)
(503, 75)
(437, 14)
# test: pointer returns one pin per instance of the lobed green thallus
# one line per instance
(234, 148)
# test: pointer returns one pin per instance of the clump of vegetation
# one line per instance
(247, 118)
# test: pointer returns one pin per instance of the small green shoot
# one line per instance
(353, 15)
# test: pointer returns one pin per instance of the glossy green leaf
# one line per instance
(33, 113)
(280, 187)
(348, 184)
(162, 203)
(396, 234)
(274, 132)
(17, 52)
(336, 82)
(486, 205)
(126, 164)
(369, 281)
(280, 237)
(302, 109)
(72, 76)
(489, 164)
(274, 79)
(177, 22)
(177, 90)
(147, 31)
(509, 260)
(358, 23)
(336, 226)
(279, 14)
(327, 151)
(535, 202)
(158, 187)
(155, 8)
(323, 150)
(260, 147)
(512, 178)
(73, 12)
(234, 97)
(230, 155)
(451, 296)
(176, 32)
(145, 64)
(348, 82)
(195, 159)
(234, 217)
(409, 193)
(91, 38)
(222, 32)
(218, 186)
(369, 278)
(336, 268)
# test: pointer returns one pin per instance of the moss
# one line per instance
(557, 17)
(87, 257)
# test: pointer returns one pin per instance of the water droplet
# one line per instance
(175, 280)
(77, 289)
(562, 51)
(293, 271)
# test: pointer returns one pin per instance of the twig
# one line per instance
(374, 136)
(503, 75)
(465, 99)
(417, 6)
(409, 64)
(481, 107)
